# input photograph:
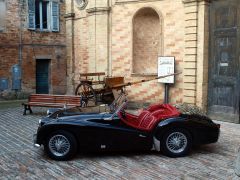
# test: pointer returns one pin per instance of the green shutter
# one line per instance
(55, 16)
(31, 14)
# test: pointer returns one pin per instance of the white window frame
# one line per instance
(41, 16)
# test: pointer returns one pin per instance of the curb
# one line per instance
(12, 101)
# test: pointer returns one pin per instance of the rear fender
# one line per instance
(165, 125)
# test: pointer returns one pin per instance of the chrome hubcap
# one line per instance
(176, 142)
(59, 145)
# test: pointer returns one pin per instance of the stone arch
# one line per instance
(147, 40)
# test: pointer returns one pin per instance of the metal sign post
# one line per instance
(166, 86)
(165, 67)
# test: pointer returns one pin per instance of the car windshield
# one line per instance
(119, 103)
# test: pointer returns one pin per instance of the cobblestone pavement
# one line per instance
(19, 160)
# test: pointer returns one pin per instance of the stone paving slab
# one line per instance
(19, 160)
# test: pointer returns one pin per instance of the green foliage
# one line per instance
(185, 108)
(12, 95)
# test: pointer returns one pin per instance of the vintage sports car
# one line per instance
(159, 127)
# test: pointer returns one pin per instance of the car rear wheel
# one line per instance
(61, 145)
(176, 143)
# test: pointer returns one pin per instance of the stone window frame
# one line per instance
(53, 17)
(161, 40)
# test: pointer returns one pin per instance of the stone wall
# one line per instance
(104, 39)
(33, 45)
(172, 45)
(87, 39)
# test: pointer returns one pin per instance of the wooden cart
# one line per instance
(94, 87)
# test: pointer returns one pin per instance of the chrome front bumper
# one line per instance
(35, 141)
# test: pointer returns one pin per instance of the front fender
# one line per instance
(46, 130)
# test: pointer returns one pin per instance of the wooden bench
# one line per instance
(48, 100)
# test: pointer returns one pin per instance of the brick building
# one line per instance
(125, 37)
(32, 46)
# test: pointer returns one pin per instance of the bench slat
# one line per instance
(48, 100)
(52, 105)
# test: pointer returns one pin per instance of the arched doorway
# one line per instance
(147, 35)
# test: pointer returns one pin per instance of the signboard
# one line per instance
(165, 67)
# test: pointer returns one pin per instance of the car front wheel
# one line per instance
(176, 143)
(61, 145)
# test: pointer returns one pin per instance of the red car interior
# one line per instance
(149, 117)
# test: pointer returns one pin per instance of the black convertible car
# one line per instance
(159, 127)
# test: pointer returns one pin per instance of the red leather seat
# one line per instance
(163, 111)
(149, 118)
(129, 119)
(146, 123)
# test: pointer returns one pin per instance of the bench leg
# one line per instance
(30, 110)
(27, 107)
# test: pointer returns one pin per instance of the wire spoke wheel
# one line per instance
(59, 145)
(87, 94)
(176, 142)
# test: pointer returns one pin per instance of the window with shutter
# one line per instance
(55, 16)
(2, 14)
(43, 15)
(31, 14)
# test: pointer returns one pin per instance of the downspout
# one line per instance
(196, 66)
(95, 34)
(20, 46)
(109, 48)
(108, 40)
(73, 45)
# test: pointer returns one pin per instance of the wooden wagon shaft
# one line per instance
(141, 81)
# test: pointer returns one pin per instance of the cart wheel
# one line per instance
(87, 94)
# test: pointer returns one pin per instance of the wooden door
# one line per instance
(224, 73)
(42, 76)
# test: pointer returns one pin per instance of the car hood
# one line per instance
(85, 117)
(76, 118)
